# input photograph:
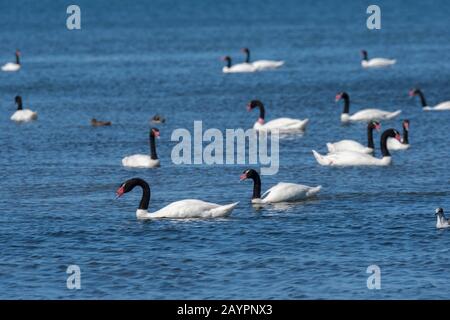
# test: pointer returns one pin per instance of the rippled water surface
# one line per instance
(134, 59)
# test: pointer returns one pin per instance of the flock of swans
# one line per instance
(341, 153)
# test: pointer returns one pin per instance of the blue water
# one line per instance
(134, 59)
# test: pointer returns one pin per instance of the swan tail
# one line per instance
(223, 211)
(394, 114)
(321, 159)
(303, 124)
(313, 191)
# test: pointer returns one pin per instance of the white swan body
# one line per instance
(377, 63)
(188, 209)
(262, 65)
(281, 124)
(239, 68)
(10, 67)
(350, 158)
(140, 161)
(287, 192)
(24, 115)
(369, 114)
(443, 106)
(395, 145)
(348, 145)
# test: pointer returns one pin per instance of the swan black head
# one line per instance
(154, 132)
(227, 59)
(130, 184)
(247, 54)
(405, 124)
(257, 104)
(344, 95)
(252, 174)
(364, 55)
(389, 133)
(18, 100)
(374, 125)
(439, 212)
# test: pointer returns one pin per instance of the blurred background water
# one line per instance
(134, 59)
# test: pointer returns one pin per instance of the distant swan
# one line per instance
(394, 144)
(443, 106)
(11, 66)
(351, 145)
(375, 62)
(281, 192)
(183, 209)
(144, 160)
(363, 115)
(351, 158)
(22, 115)
(261, 65)
(281, 124)
(442, 222)
(237, 68)
(97, 123)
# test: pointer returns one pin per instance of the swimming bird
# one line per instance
(237, 68)
(144, 160)
(158, 119)
(441, 222)
(183, 209)
(351, 158)
(375, 62)
(281, 124)
(261, 65)
(97, 123)
(443, 106)
(13, 66)
(281, 192)
(363, 115)
(22, 115)
(394, 144)
(352, 145)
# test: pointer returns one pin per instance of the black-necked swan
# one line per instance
(22, 115)
(261, 65)
(394, 144)
(98, 123)
(352, 145)
(144, 160)
(443, 106)
(11, 66)
(237, 68)
(183, 209)
(363, 115)
(281, 124)
(351, 158)
(375, 62)
(442, 222)
(281, 192)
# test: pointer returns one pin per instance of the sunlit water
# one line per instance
(133, 60)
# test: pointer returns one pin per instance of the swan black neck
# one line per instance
(17, 58)
(346, 99)
(365, 55)
(153, 154)
(247, 55)
(19, 103)
(262, 110)
(256, 186)
(228, 60)
(370, 143)
(422, 98)
(145, 200)
(405, 135)
(390, 133)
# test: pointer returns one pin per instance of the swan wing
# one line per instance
(373, 114)
(394, 144)
(285, 124)
(442, 106)
(238, 68)
(349, 158)
(289, 192)
(24, 115)
(11, 67)
(347, 145)
(191, 208)
(267, 64)
(378, 62)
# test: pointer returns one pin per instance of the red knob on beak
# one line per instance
(243, 177)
